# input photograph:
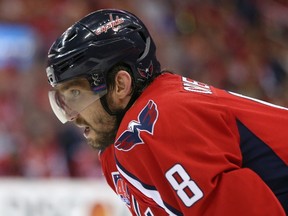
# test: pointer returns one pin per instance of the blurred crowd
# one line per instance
(239, 45)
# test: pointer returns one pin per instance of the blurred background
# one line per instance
(238, 45)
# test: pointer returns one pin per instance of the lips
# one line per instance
(86, 128)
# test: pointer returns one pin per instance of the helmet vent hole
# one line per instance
(71, 62)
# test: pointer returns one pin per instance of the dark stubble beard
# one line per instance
(106, 138)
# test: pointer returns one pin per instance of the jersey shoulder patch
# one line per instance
(146, 121)
(121, 188)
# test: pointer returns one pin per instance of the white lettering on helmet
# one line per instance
(112, 24)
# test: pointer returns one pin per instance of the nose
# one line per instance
(74, 118)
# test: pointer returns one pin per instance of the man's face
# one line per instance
(99, 127)
(81, 106)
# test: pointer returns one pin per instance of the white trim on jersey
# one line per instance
(152, 194)
(259, 101)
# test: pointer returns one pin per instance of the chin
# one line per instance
(96, 145)
(92, 144)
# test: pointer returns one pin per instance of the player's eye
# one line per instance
(71, 94)
(74, 93)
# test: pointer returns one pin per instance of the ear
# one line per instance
(123, 88)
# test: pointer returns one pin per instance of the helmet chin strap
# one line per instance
(106, 107)
(119, 113)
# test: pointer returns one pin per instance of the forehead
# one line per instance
(81, 83)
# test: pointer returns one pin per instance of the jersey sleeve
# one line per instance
(113, 177)
(191, 164)
(137, 207)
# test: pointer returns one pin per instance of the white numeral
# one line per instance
(148, 212)
(186, 188)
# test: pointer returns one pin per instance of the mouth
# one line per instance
(86, 129)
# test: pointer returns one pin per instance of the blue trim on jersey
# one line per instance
(148, 187)
(259, 157)
(136, 206)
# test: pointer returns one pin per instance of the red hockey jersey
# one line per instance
(186, 148)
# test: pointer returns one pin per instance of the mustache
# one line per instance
(81, 122)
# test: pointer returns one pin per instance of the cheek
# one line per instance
(93, 111)
(97, 117)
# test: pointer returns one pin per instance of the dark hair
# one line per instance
(112, 74)
(137, 87)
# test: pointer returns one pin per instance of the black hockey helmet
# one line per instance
(102, 39)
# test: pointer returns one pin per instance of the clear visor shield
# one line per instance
(69, 103)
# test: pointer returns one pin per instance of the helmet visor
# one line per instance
(69, 100)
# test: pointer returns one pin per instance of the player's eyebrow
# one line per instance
(69, 84)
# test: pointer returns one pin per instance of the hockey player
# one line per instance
(169, 145)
